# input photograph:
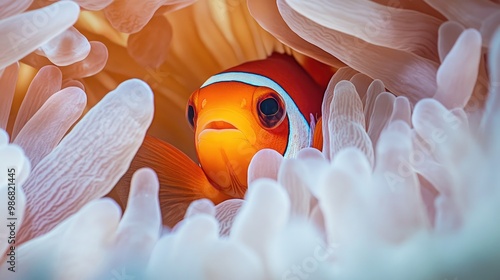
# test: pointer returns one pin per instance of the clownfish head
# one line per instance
(237, 113)
(231, 122)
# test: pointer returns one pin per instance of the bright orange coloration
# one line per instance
(181, 179)
(260, 104)
(229, 132)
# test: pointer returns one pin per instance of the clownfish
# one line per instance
(271, 103)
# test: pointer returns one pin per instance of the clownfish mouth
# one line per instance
(219, 125)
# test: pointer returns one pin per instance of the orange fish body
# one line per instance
(268, 103)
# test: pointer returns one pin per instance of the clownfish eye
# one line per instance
(271, 110)
(190, 114)
(269, 107)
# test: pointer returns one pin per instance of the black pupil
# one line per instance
(191, 115)
(269, 107)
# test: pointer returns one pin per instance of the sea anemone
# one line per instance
(405, 186)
